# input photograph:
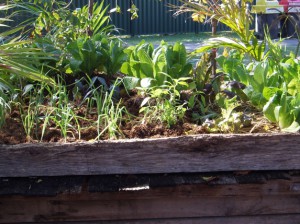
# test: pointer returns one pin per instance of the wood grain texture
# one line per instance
(257, 219)
(189, 202)
(201, 153)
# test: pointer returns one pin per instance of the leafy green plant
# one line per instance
(29, 118)
(95, 54)
(30, 104)
(55, 19)
(63, 114)
(234, 15)
(110, 113)
(163, 104)
(113, 56)
(18, 59)
(75, 38)
(4, 107)
(148, 67)
(230, 120)
(84, 56)
(271, 85)
(6, 96)
(284, 110)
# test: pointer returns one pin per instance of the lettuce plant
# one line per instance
(95, 54)
(271, 85)
(148, 67)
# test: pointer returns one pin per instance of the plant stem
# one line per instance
(91, 6)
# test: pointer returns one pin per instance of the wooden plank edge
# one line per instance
(199, 153)
(261, 219)
(273, 198)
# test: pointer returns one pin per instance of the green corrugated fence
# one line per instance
(155, 17)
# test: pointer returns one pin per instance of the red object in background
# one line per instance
(289, 3)
(285, 4)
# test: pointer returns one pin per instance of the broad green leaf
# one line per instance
(258, 81)
(130, 82)
(269, 108)
(126, 69)
(269, 92)
(146, 64)
(89, 57)
(186, 70)
(74, 49)
(75, 65)
(294, 127)
(294, 86)
(282, 114)
(179, 52)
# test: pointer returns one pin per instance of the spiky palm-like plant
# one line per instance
(16, 58)
(232, 13)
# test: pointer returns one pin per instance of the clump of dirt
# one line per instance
(132, 102)
(159, 130)
(12, 132)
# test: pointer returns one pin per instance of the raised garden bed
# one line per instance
(199, 153)
(88, 87)
(188, 179)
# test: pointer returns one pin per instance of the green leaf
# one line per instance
(258, 81)
(89, 57)
(126, 69)
(282, 113)
(294, 127)
(74, 49)
(269, 108)
(179, 53)
(294, 86)
(147, 82)
(268, 92)
(185, 71)
(75, 65)
(146, 64)
(130, 82)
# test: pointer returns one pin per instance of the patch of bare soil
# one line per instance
(159, 130)
(12, 132)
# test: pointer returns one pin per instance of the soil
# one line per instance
(13, 131)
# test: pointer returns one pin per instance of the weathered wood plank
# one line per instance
(261, 219)
(202, 153)
(159, 203)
